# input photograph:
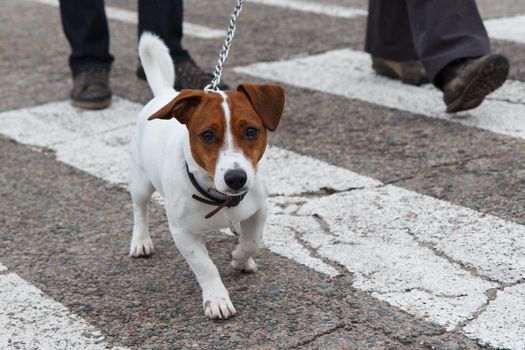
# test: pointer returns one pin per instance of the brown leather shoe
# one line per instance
(188, 75)
(409, 72)
(465, 83)
(91, 89)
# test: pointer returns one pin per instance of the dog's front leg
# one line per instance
(216, 299)
(250, 239)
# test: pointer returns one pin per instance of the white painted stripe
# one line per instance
(317, 8)
(55, 123)
(202, 32)
(509, 28)
(284, 180)
(502, 325)
(30, 320)
(281, 236)
(127, 16)
(512, 91)
(388, 237)
(407, 249)
(348, 73)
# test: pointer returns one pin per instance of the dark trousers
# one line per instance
(86, 28)
(436, 32)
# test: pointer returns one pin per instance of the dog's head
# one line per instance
(227, 130)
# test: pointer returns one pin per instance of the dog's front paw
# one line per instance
(141, 247)
(218, 308)
(248, 266)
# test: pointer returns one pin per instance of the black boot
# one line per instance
(466, 82)
(91, 89)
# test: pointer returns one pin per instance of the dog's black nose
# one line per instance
(235, 178)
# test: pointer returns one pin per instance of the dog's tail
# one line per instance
(157, 63)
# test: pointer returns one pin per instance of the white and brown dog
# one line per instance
(203, 153)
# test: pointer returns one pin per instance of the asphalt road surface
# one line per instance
(392, 224)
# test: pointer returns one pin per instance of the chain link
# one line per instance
(213, 85)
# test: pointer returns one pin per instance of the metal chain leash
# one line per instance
(213, 85)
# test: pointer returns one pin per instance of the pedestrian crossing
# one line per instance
(441, 262)
(428, 257)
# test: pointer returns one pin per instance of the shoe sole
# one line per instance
(92, 105)
(490, 76)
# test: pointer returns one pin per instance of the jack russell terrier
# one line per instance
(203, 152)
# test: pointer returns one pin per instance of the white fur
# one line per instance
(159, 151)
(156, 56)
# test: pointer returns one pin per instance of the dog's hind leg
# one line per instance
(141, 190)
(250, 239)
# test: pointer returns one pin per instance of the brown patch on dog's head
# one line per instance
(181, 107)
(204, 118)
(255, 106)
(267, 100)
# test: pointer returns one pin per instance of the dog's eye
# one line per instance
(251, 133)
(208, 136)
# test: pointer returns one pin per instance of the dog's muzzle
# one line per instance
(229, 201)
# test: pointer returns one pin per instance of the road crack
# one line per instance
(322, 333)
(322, 192)
(457, 162)
(491, 295)
(464, 266)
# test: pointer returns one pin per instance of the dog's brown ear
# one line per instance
(267, 100)
(181, 107)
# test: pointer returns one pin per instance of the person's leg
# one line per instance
(388, 33)
(453, 45)
(86, 29)
(446, 30)
(389, 42)
(164, 18)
